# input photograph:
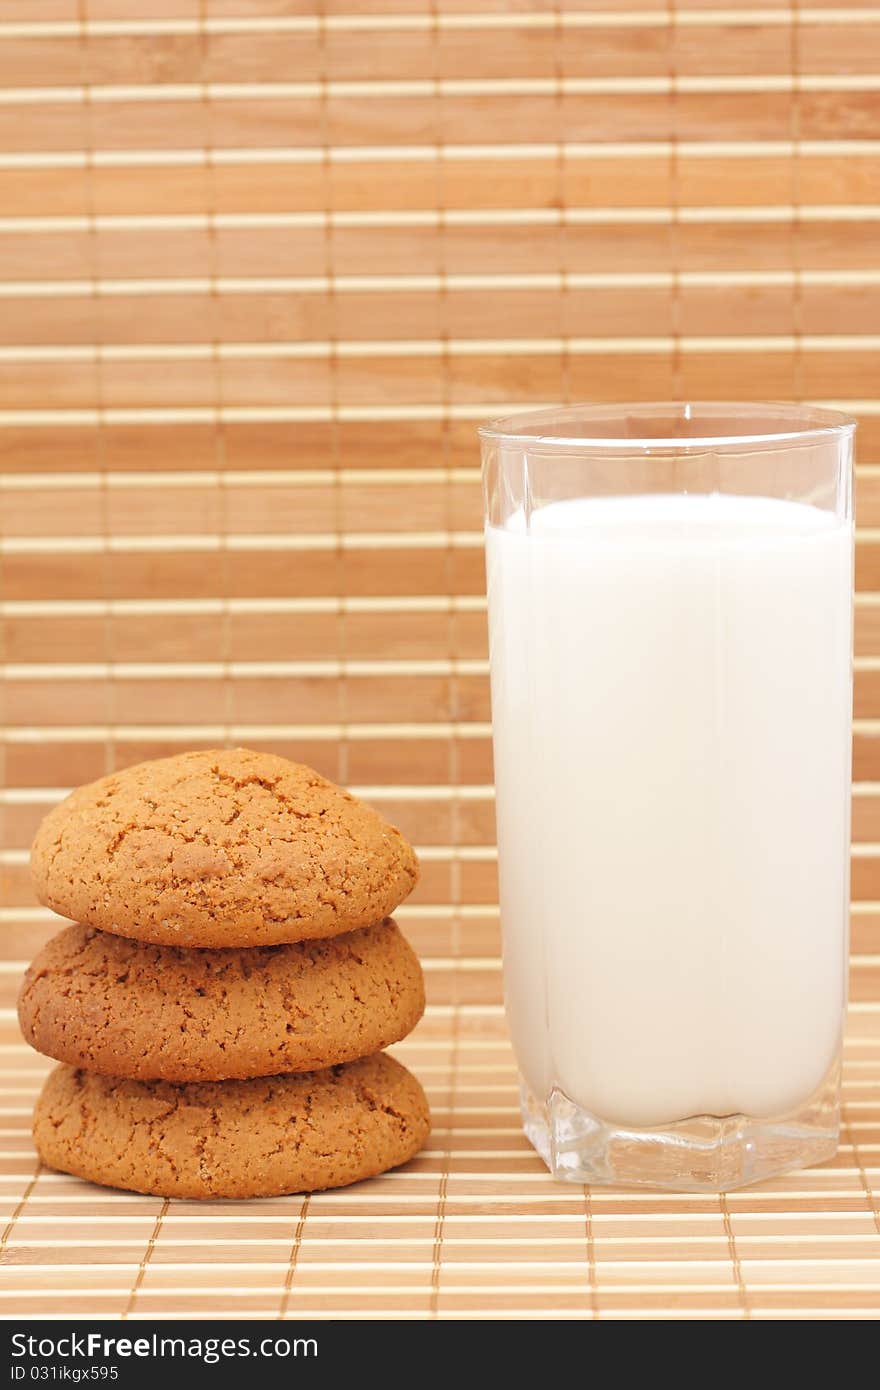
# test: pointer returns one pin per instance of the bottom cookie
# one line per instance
(237, 1139)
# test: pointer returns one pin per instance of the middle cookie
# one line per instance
(168, 1013)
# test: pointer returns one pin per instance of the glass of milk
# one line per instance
(670, 613)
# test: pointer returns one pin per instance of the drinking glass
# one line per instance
(670, 615)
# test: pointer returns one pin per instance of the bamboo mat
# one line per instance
(264, 264)
(473, 1228)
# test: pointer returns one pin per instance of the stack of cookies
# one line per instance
(221, 1005)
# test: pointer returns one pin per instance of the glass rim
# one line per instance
(790, 424)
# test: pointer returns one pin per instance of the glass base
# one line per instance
(704, 1153)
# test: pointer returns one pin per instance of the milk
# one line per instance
(671, 697)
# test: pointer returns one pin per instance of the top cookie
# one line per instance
(220, 848)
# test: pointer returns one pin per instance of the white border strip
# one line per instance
(267, 541)
(372, 284)
(415, 153)
(242, 670)
(442, 791)
(452, 217)
(359, 414)
(409, 791)
(109, 93)
(428, 23)
(240, 478)
(136, 733)
(207, 543)
(358, 348)
(128, 608)
(209, 479)
(258, 670)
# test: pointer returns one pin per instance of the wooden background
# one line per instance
(263, 267)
